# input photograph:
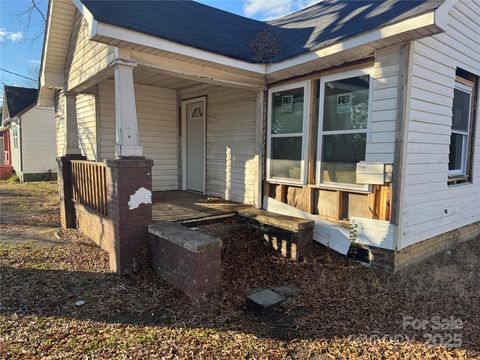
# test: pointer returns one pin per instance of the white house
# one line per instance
(355, 112)
(30, 129)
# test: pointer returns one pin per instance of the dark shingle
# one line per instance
(18, 99)
(207, 28)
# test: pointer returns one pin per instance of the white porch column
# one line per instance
(127, 144)
(71, 127)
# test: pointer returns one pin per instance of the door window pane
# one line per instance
(461, 110)
(286, 158)
(346, 104)
(340, 155)
(287, 111)
(457, 143)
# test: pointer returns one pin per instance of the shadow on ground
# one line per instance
(338, 298)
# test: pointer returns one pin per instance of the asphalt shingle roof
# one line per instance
(207, 28)
(18, 99)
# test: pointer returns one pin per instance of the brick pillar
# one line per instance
(64, 177)
(129, 196)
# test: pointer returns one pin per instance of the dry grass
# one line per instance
(343, 311)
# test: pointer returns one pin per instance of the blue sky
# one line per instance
(20, 54)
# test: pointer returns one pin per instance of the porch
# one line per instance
(139, 138)
(187, 207)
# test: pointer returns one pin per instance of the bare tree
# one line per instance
(33, 10)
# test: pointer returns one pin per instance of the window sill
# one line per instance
(458, 180)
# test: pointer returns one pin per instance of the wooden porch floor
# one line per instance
(179, 206)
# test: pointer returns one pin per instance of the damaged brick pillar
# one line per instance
(64, 177)
(129, 197)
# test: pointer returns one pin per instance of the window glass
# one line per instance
(341, 153)
(457, 142)
(461, 110)
(346, 104)
(286, 156)
(287, 111)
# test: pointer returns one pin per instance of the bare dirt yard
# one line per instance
(59, 300)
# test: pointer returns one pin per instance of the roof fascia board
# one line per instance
(413, 23)
(45, 49)
(92, 23)
(441, 13)
(136, 37)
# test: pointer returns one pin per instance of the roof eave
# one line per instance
(423, 20)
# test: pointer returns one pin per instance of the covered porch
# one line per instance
(144, 144)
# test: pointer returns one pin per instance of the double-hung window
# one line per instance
(15, 136)
(288, 116)
(344, 113)
(461, 128)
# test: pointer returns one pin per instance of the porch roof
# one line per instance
(217, 31)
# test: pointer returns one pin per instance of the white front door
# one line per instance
(194, 145)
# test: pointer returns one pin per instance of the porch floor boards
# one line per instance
(178, 206)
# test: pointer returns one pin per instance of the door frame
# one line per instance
(184, 140)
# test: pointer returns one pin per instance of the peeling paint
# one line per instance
(141, 196)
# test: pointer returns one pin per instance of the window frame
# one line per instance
(321, 133)
(306, 85)
(15, 136)
(463, 171)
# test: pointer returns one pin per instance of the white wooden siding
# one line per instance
(430, 207)
(157, 129)
(381, 141)
(231, 170)
(369, 231)
(38, 140)
(86, 122)
(85, 58)
(87, 125)
(60, 123)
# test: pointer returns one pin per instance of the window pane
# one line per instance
(457, 143)
(346, 104)
(287, 111)
(461, 110)
(341, 153)
(286, 158)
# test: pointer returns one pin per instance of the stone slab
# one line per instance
(184, 237)
(265, 298)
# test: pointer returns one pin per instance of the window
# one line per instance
(461, 127)
(287, 132)
(343, 121)
(15, 136)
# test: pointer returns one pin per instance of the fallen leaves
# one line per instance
(343, 310)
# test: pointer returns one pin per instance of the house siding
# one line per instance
(430, 207)
(157, 129)
(231, 164)
(87, 125)
(60, 123)
(38, 141)
(381, 140)
(85, 58)
(86, 122)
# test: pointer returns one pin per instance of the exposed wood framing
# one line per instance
(334, 205)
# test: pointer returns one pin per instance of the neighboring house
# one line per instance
(28, 135)
(360, 112)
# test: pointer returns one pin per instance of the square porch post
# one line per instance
(73, 152)
(129, 194)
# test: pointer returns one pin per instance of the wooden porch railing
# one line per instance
(89, 185)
